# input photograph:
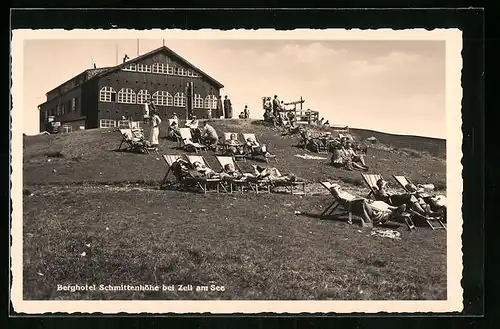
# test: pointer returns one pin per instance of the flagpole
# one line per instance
(116, 48)
(137, 47)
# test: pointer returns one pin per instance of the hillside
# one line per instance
(93, 215)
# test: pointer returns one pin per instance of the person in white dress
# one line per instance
(155, 128)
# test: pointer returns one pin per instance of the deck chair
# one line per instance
(134, 143)
(344, 201)
(371, 181)
(169, 159)
(206, 184)
(404, 181)
(225, 147)
(257, 186)
(252, 137)
(186, 142)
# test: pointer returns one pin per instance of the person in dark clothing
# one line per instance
(276, 105)
(228, 108)
(220, 108)
(410, 200)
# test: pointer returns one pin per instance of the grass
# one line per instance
(106, 204)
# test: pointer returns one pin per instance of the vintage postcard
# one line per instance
(169, 171)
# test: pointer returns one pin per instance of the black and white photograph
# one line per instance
(236, 171)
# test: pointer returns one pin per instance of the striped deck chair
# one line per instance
(134, 142)
(169, 159)
(403, 181)
(345, 201)
(256, 185)
(186, 141)
(251, 137)
(371, 181)
(226, 147)
(205, 184)
(342, 201)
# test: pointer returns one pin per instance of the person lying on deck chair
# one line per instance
(230, 173)
(272, 173)
(234, 146)
(411, 201)
(370, 214)
(174, 132)
(256, 148)
(437, 203)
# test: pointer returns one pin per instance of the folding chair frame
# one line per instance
(166, 158)
(204, 184)
(259, 186)
(252, 154)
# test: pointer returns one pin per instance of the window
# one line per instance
(159, 68)
(176, 70)
(210, 102)
(189, 73)
(170, 69)
(67, 128)
(198, 101)
(63, 109)
(107, 94)
(143, 68)
(126, 95)
(107, 123)
(179, 100)
(130, 67)
(73, 104)
(143, 96)
(163, 98)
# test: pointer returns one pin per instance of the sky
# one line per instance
(389, 86)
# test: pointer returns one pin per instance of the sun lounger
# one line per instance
(403, 181)
(256, 185)
(169, 159)
(206, 184)
(252, 137)
(345, 201)
(134, 143)
(224, 143)
(371, 181)
(186, 141)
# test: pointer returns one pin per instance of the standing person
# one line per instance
(276, 105)
(246, 112)
(155, 129)
(220, 108)
(228, 108)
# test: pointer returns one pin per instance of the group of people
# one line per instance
(392, 207)
(245, 114)
(233, 147)
(182, 169)
(345, 156)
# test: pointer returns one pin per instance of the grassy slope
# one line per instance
(254, 245)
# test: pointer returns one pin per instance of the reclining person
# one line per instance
(230, 173)
(201, 170)
(356, 158)
(411, 201)
(257, 149)
(174, 131)
(437, 203)
(272, 174)
(370, 213)
(234, 146)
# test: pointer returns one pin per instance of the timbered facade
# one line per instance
(101, 97)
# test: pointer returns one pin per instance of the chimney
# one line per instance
(125, 58)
